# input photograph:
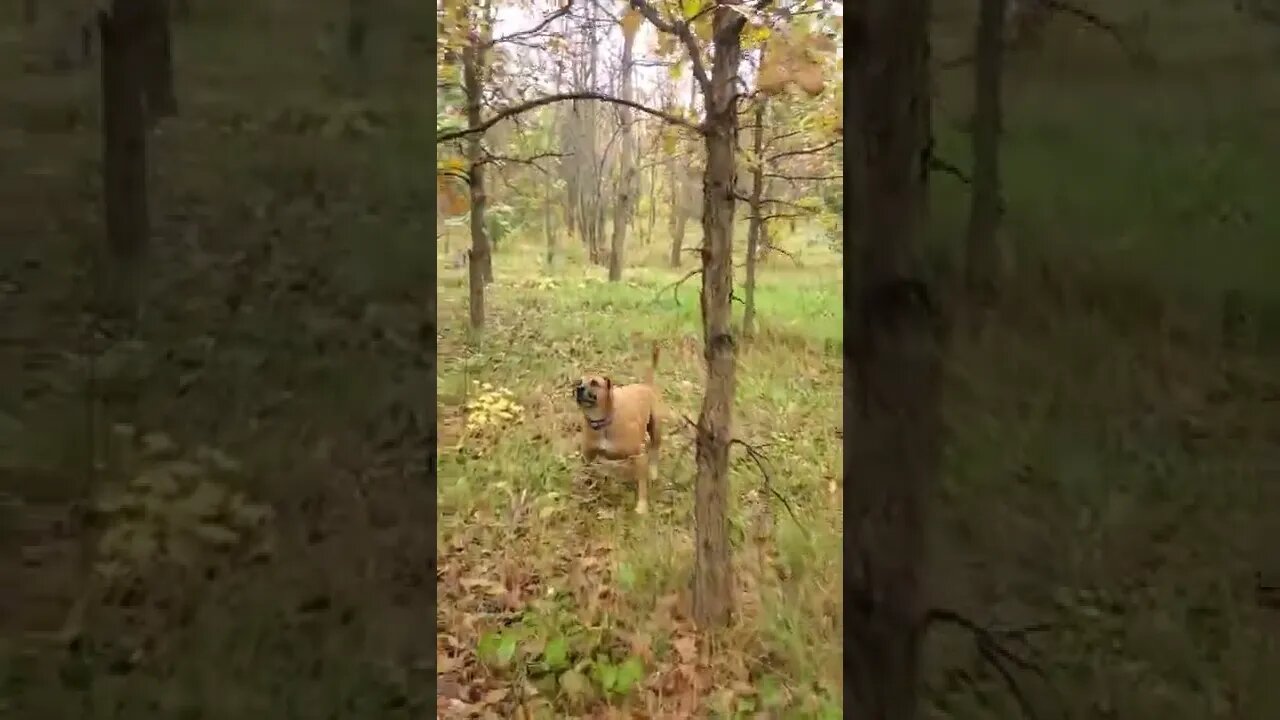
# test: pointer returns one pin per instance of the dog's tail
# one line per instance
(653, 366)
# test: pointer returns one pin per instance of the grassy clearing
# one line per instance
(546, 572)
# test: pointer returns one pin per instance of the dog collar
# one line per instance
(598, 424)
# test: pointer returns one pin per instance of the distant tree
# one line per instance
(982, 250)
(624, 205)
(124, 32)
(161, 100)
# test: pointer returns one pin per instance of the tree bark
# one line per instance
(713, 571)
(480, 269)
(161, 100)
(124, 155)
(757, 215)
(982, 258)
(895, 438)
(626, 170)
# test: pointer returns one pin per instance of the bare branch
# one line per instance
(807, 151)
(994, 650)
(774, 248)
(754, 452)
(675, 286)
(803, 178)
(947, 167)
(532, 160)
(517, 36)
(758, 457)
(1137, 54)
(536, 103)
(680, 29)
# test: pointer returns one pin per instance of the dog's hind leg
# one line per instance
(654, 449)
(640, 467)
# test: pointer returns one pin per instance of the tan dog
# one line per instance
(616, 419)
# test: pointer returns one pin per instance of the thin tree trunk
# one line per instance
(757, 215)
(713, 572)
(30, 12)
(548, 227)
(895, 358)
(161, 100)
(982, 261)
(678, 215)
(480, 270)
(124, 155)
(652, 194)
(626, 170)
(357, 30)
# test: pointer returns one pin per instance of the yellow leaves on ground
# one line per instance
(798, 60)
(492, 411)
(631, 22)
(173, 510)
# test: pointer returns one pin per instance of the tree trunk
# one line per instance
(713, 571)
(894, 443)
(757, 215)
(124, 155)
(982, 261)
(548, 222)
(357, 30)
(161, 100)
(480, 270)
(626, 170)
(30, 12)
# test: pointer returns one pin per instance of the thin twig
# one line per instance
(675, 286)
(761, 461)
(991, 646)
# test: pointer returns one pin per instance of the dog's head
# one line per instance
(592, 391)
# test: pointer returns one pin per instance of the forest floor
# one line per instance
(550, 584)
